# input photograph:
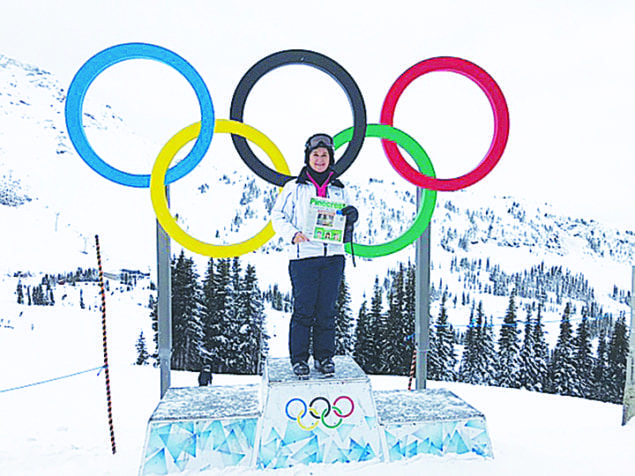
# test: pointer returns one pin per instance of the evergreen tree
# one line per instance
(142, 350)
(236, 277)
(617, 352)
(19, 291)
(343, 321)
(393, 342)
(232, 322)
(209, 289)
(467, 368)
(209, 314)
(38, 296)
(529, 375)
(276, 298)
(252, 347)
(600, 378)
(222, 283)
(482, 369)
(541, 354)
(583, 356)
(488, 350)
(443, 350)
(508, 367)
(187, 330)
(564, 379)
(364, 352)
(376, 318)
(49, 298)
(215, 302)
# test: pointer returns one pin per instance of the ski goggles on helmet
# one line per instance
(319, 140)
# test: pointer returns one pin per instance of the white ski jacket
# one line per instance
(290, 212)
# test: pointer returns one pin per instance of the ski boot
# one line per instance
(301, 370)
(325, 366)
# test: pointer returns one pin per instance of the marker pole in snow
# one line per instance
(628, 409)
(412, 368)
(105, 342)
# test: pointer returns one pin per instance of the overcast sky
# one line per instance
(567, 69)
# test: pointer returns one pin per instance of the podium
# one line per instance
(285, 422)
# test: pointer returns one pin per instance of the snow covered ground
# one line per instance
(61, 427)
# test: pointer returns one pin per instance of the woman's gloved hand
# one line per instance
(351, 214)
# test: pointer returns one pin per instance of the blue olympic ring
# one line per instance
(109, 57)
(296, 400)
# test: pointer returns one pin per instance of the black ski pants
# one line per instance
(316, 283)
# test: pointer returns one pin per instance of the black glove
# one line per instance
(351, 214)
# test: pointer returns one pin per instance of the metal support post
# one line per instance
(164, 309)
(422, 301)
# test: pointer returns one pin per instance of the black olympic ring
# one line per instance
(325, 413)
(310, 58)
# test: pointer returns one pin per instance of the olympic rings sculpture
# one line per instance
(312, 410)
(202, 132)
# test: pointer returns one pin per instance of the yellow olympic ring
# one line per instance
(307, 428)
(160, 202)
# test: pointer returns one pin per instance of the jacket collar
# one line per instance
(303, 178)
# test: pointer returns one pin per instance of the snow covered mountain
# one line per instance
(53, 205)
(49, 203)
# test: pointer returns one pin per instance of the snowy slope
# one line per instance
(53, 204)
(61, 427)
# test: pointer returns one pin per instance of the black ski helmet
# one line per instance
(316, 141)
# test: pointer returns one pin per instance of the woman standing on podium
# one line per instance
(315, 268)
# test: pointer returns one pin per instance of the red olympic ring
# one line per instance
(336, 410)
(496, 100)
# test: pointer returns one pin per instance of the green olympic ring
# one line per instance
(424, 214)
(331, 427)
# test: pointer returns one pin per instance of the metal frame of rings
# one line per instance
(203, 131)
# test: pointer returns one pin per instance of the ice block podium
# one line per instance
(285, 422)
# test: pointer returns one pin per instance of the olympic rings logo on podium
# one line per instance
(320, 416)
(202, 132)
